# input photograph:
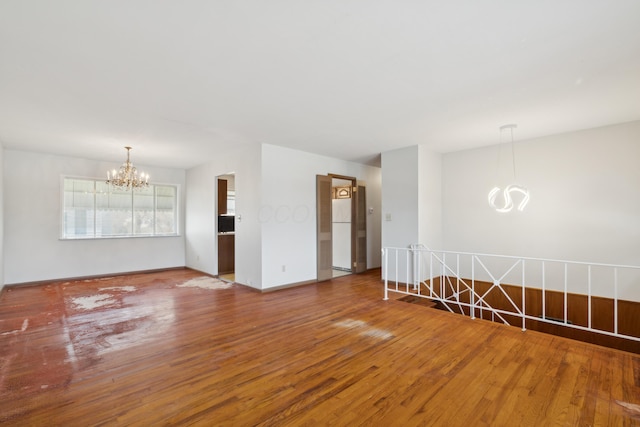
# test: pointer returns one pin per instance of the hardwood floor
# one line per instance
(175, 348)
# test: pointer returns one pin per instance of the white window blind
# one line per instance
(94, 209)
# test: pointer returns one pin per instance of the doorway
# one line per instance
(226, 230)
(341, 226)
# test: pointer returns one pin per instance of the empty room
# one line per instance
(320, 213)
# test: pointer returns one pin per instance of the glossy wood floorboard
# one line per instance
(170, 349)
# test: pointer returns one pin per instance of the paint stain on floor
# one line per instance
(93, 301)
(205, 282)
(94, 317)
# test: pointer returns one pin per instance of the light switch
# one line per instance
(387, 217)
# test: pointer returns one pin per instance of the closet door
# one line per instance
(360, 226)
(324, 240)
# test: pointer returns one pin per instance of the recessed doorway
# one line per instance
(349, 225)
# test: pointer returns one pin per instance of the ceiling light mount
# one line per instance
(510, 126)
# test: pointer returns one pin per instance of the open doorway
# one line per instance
(225, 219)
(349, 226)
(341, 224)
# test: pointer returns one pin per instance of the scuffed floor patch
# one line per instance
(92, 301)
(206, 282)
(25, 325)
(364, 329)
(350, 323)
(631, 408)
(119, 288)
(377, 333)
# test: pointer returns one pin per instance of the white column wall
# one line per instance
(32, 210)
(412, 204)
(400, 206)
(288, 212)
(430, 198)
(400, 194)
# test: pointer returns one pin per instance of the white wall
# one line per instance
(200, 231)
(32, 248)
(412, 205)
(1, 217)
(400, 192)
(400, 209)
(201, 237)
(288, 212)
(430, 198)
(585, 198)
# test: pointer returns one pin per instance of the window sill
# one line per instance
(120, 237)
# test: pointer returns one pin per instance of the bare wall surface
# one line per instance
(430, 197)
(585, 203)
(288, 212)
(412, 203)
(201, 233)
(32, 212)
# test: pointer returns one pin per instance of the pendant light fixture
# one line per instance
(514, 188)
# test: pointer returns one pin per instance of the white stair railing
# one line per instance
(464, 282)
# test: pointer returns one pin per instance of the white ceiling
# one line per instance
(181, 80)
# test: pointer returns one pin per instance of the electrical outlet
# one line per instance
(284, 268)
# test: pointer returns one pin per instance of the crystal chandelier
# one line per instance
(127, 176)
(507, 200)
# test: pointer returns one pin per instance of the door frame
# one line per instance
(354, 186)
(356, 266)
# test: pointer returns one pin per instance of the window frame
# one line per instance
(131, 235)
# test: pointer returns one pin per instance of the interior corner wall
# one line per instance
(33, 250)
(288, 212)
(584, 206)
(201, 227)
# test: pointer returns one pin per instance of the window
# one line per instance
(94, 209)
